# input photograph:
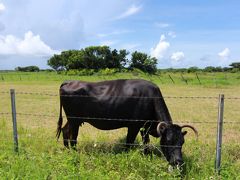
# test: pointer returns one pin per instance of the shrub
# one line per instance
(28, 69)
(82, 72)
(108, 71)
(86, 72)
(235, 70)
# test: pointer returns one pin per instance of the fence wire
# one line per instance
(134, 97)
(114, 119)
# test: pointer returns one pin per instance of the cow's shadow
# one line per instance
(117, 147)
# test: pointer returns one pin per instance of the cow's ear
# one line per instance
(161, 128)
(184, 133)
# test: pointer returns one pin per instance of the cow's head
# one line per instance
(172, 139)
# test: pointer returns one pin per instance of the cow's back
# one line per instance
(123, 87)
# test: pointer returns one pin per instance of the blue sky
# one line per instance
(178, 33)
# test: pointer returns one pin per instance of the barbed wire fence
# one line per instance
(219, 124)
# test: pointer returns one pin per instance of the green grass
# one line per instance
(100, 154)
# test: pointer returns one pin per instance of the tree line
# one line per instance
(234, 67)
(102, 57)
(28, 69)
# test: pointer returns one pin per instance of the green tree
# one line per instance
(213, 69)
(118, 60)
(57, 62)
(193, 69)
(123, 57)
(209, 69)
(101, 57)
(235, 65)
(76, 60)
(92, 57)
(143, 62)
(218, 69)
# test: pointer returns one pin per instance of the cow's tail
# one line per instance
(60, 121)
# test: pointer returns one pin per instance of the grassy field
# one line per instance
(100, 154)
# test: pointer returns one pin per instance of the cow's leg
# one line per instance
(66, 134)
(74, 134)
(146, 140)
(131, 136)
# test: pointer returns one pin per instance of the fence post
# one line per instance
(219, 133)
(185, 80)
(171, 78)
(14, 120)
(198, 79)
(158, 76)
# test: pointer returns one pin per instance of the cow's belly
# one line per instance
(107, 125)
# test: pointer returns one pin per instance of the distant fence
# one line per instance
(219, 122)
(196, 78)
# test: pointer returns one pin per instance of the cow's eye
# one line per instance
(169, 137)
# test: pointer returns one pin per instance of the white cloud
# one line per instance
(172, 34)
(107, 43)
(162, 25)
(2, 27)
(130, 46)
(2, 7)
(224, 53)
(117, 32)
(130, 11)
(177, 56)
(160, 49)
(31, 46)
(162, 37)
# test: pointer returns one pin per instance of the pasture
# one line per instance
(100, 154)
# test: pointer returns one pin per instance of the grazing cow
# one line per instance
(135, 104)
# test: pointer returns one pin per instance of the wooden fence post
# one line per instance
(171, 78)
(14, 120)
(185, 80)
(219, 133)
(198, 79)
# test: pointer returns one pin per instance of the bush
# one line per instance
(28, 69)
(108, 71)
(193, 69)
(86, 72)
(137, 72)
(235, 70)
(82, 72)
(72, 72)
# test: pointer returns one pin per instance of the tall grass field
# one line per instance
(191, 99)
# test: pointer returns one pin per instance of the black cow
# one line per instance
(135, 104)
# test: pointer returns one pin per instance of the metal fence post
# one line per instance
(14, 120)
(219, 133)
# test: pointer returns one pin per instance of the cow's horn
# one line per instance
(194, 129)
(160, 126)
